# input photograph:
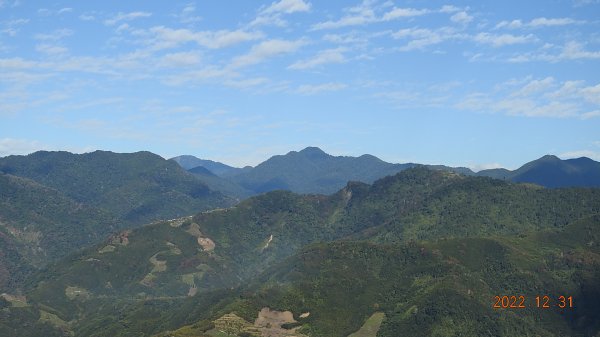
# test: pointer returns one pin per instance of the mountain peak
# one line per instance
(313, 152)
(549, 157)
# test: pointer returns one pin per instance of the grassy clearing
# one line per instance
(55, 321)
(73, 293)
(15, 301)
(107, 249)
(371, 326)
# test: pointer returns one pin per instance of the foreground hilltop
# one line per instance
(54, 203)
(422, 251)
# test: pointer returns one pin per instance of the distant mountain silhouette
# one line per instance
(314, 171)
(222, 170)
(551, 171)
(310, 170)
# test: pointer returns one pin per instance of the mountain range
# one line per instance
(311, 170)
(303, 244)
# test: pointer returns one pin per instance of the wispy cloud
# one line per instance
(537, 98)
(18, 146)
(420, 38)
(12, 27)
(163, 37)
(500, 40)
(323, 57)
(397, 13)
(355, 16)
(368, 12)
(180, 59)
(308, 89)
(55, 35)
(461, 17)
(265, 50)
(571, 50)
(537, 23)
(120, 17)
(272, 14)
(595, 155)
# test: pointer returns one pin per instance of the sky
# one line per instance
(481, 84)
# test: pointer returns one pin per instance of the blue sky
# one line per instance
(479, 84)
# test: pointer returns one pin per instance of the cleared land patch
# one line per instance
(77, 293)
(55, 321)
(15, 300)
(159, 266)
(371, 326)
(206, 243)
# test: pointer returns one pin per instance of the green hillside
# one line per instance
(135, 187)
(39, 224)
(427, 249)
(54, 203)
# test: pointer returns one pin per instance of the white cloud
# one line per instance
(188, 15)
(272, 15)
(572, 50)
(365, 14)
(87, 17)
(50, 49)
(265, 50)
(170, 38)
(208, 73)
(323, 57)
(12, 27)
(319, 88)
(403, 13)
(64, 10)
(58, 34)
(344, 38)
(287, 6)
(16, 63)
(357, 15)
(590, 114)
(537, 23)
(538, 98)
(592, 94)
(461, 17)
(503, 39)
(510, 24)
(485, 166)
(575, 50)
(15, 146)
(181, 59)
(126, 17)
(535, 86)
(246, 83)
(420, 38)
(449, 9)
(581, 153)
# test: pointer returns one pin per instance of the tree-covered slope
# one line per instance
(435, 241)
(439, 288)
(39, 224)
(222, 185)
(135, 187)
